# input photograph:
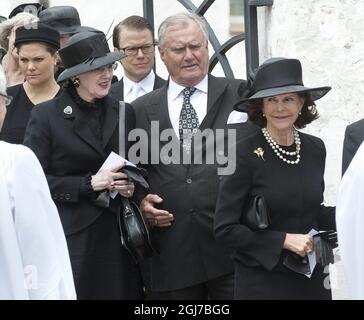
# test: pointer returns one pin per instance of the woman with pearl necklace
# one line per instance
(286, 167)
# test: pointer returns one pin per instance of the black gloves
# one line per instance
(324, 242)
(330, 236)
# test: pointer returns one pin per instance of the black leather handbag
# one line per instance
(134, 232)
(255, 214)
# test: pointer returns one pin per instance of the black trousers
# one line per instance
(221, 288)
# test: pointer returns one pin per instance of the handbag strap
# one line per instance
(122, 129)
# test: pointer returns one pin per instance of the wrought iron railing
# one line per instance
(250, 35)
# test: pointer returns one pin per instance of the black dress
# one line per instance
(72, 139)
(294, 195)
(17, 116)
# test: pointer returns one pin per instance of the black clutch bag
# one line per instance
(255, 215)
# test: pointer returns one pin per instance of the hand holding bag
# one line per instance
(255, 214)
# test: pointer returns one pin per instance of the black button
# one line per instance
(61, 197)
(55, 197)
(68, 196)
(189, 181)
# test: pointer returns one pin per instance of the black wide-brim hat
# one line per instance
(65, 19)
(33, 8)
(37, 32)
(84, 52)
(278, 76)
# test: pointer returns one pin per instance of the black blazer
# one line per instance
(188, 252)
(354, 136)
(68, 151)
(294, 195)
(117, 88)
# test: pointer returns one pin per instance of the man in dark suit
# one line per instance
(354, 136)
(134, 37)
(181, 203)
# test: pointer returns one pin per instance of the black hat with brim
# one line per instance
(65, 19)
(74, 29)
(84, 52)
(33, 8)
(37, 32)
(278, 76)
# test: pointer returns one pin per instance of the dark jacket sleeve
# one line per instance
(326, 217)
(264, 246)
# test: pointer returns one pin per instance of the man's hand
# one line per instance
(155, 217)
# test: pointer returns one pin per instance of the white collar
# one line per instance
(175, 89)
(147, 84)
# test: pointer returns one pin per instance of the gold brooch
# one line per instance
(259, 152)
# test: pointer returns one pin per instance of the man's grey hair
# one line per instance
(2, 81)
(182, 20)
(6, 26)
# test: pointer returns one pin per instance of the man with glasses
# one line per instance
(134, 37)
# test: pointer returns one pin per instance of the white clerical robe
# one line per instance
(34, 260)
(350, 224)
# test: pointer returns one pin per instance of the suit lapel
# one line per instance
(158, 82)
(158, 111)
(216, 89)
(80, 126)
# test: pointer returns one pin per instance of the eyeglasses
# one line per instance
(8, 99)
(108, 67)
(132, 51)
(180, 49)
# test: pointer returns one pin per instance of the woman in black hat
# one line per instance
(37, 46)
(72, 136)
(286, 167)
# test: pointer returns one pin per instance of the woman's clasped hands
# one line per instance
(113, 180)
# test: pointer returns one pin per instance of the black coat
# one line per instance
(69, 151)
(117, 89)
(188, 253)
(354, 136)
(294, 194)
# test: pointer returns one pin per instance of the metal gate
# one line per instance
(250, 35)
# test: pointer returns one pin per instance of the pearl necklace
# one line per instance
(280, 152)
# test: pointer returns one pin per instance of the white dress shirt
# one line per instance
(133, 90)
(175, 101)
